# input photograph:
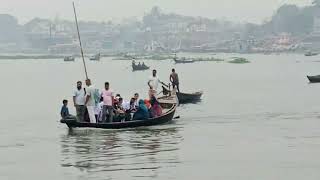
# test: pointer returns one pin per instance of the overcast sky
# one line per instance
(103, 10)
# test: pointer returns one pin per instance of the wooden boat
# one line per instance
(139, 67)
(182, 61)
(314, 79)
(69, 58)
(185, 98)
(311, 54)
(95, 57)
(168, 115)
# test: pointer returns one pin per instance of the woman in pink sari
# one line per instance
(156, 109)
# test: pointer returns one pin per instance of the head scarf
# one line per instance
(142, 106)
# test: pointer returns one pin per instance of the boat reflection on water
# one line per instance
(142, 151)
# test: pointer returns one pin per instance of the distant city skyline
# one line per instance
(255, 11)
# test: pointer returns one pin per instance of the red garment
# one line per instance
(147, 103)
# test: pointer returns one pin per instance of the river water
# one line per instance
(256, 121)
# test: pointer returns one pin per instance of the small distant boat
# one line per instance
(311, 54)
(314, 79)
(183, 61)
(139, 67)
(95, 57)
(69, 58)
(166, 117)
(185, 98)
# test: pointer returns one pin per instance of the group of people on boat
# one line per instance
(139, 64)
(104, 106)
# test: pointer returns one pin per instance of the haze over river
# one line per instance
(256, 121)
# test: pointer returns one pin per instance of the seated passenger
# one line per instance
(142, 112)
(156, 109)
(136, 99)
(129, 108)
(126, 105)
(119, 110)
(148, 105)
(65, 110)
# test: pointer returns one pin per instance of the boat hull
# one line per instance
(138, 68)
(165, 118)
(183, 61)
(314, 79)
(185, 98)
(69, 59)
(189, 98)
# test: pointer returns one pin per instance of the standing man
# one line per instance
(108, 101)
(79, 100)
(90, 101)
(174, 79)
(153, 83)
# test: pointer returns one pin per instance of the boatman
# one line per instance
(174, 79)
(90, 101)
(153, 83)
(78, 101)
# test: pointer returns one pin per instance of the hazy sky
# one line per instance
(102, 10)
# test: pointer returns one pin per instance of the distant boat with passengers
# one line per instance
(95, 57)
(139, 66)
(69, 58)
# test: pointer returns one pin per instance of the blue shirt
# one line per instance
(64, 111)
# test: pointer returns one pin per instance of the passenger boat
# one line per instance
(311, 54)
(95, 57)
(69, 58)
(183, 61)
(139, 67)
(314, 79)
(185, 98)
(169, 108)
(168, 103)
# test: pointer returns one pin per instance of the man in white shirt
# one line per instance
(90, 101)
(78, 101)
(153, 83)
(98, 111)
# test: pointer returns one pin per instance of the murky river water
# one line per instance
(256, 121)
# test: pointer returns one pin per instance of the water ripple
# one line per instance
(142, 149)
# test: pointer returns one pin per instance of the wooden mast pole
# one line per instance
(84, 62)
